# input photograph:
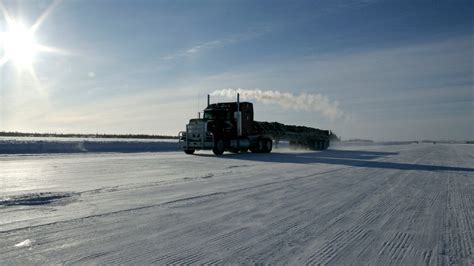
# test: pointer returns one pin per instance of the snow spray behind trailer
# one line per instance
(229, 126)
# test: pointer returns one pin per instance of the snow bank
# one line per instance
(77, 146)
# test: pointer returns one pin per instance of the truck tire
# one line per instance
(268, 145)
(261, 145)
(189, 151)
(256, 147)
(327, 145)
(218, 147)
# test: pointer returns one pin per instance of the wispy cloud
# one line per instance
(407, 92)
(218, 43)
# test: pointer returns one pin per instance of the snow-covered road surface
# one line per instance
(398, 204)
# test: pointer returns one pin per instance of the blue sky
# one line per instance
(399, 70)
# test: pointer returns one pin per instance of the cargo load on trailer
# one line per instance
(230, 126)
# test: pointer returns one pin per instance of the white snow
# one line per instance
(26, 243)
(376, 204)
(78, 145)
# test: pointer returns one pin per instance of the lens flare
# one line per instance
(17, 42)
(19, 45)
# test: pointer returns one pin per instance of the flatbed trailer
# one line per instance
(230, 126)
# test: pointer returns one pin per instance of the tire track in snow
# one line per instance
(369, 217)
(293, 228)
(423, 206)
(232, 243)
(395, 248)
(178, 200)
(188, 251)
(175, 202)
(459, 225)
(358, 220)
(386, 206)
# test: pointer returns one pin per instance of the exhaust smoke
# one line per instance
(304, 101)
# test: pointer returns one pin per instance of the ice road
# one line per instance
(393, 204)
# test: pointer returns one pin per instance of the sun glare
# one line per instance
(19, 45)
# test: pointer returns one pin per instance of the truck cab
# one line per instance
(227, 126)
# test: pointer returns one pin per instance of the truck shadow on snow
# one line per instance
(353, 158)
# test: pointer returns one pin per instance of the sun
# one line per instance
(19, 45)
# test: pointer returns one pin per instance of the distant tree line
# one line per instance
(74, 135)
(447, 141)
(360, 140)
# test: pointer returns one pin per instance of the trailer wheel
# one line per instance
(268, 146)
(218, 147)
(261, 145)
(327, 144)
(189, 151)
(258, 147)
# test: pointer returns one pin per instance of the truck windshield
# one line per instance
(210, 115)
(215, 114)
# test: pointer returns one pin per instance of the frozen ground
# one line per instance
(396, 204)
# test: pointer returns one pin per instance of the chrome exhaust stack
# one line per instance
(238, 116)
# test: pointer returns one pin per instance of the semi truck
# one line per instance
(230, 126)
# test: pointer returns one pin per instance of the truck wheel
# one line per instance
(261, 145)
(268, 146)
(218, 147)
(327, 145)
(257, 147)
(189, 151)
